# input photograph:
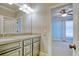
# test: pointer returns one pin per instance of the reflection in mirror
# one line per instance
(19, 25)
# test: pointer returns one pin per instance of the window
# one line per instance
(69, 30)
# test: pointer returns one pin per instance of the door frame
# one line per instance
(76, 28)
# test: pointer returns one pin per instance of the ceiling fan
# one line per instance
(65, 12)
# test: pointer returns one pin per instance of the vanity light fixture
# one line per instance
(26, 9)
(25, 6)
(30, 9)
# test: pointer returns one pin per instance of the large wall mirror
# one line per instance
(15, 18)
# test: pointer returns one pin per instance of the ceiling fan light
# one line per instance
(64, 15)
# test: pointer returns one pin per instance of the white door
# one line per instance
(76, 28)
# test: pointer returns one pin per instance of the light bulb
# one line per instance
(30, 9)
(26, 11)
(20, 8)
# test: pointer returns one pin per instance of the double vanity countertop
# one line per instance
(18, 38)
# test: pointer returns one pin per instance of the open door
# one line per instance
(61, 31)
(75, 44)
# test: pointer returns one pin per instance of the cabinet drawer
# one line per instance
(17, 52)
(28, 41)
(35, 39)
(9, 46)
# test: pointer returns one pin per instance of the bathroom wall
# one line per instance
(40, 24)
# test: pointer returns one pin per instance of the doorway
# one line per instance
(62, 30)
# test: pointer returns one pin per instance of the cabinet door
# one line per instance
(17, 52)
(36, 49)
(27, 50)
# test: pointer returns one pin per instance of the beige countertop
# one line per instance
(16, 38)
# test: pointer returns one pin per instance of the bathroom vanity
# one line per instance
(21, 45)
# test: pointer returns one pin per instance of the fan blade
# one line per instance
(70, 14)
(70, 11)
